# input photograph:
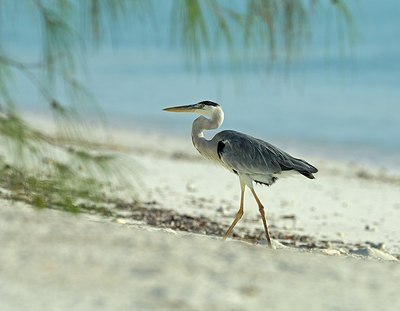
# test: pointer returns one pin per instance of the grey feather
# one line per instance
(252, 156)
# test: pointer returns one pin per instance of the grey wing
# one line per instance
(248, 155)
(245, 154)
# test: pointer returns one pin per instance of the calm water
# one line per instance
(342, 102)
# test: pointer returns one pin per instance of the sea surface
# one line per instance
(339, 98)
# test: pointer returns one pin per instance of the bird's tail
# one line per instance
(307, 174)
(305, 168)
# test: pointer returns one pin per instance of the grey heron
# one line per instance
(252, 159)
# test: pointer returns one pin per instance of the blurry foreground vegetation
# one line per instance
(31, 168)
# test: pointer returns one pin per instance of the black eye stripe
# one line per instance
(208, 103)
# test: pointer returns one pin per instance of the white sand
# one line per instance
(55, 261)
(344, 202)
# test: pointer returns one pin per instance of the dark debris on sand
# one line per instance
(151, 215)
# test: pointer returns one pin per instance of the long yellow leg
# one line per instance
(264, 219)
(239, 213)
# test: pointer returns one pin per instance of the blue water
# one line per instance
(340, 98)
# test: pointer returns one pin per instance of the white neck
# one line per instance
(214, 119)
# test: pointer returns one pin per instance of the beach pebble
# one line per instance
(289, 217)
(381, 246)
(121, 221)
(222, 211)
(370, 228)
(369, 252)
(330, 252)
(123, 213)
(275, 244)
(170, 231)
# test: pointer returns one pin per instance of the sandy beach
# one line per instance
(336, 240)
(105, 203)
(346, 202)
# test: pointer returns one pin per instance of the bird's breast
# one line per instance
(207, 149)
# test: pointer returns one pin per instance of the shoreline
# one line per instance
(368, 157)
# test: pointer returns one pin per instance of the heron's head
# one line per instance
(206, 108)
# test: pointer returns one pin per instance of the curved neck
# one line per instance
(202, 123)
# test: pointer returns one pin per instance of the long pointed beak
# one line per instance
(187, 108)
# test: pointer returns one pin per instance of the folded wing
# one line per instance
(248, 155)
